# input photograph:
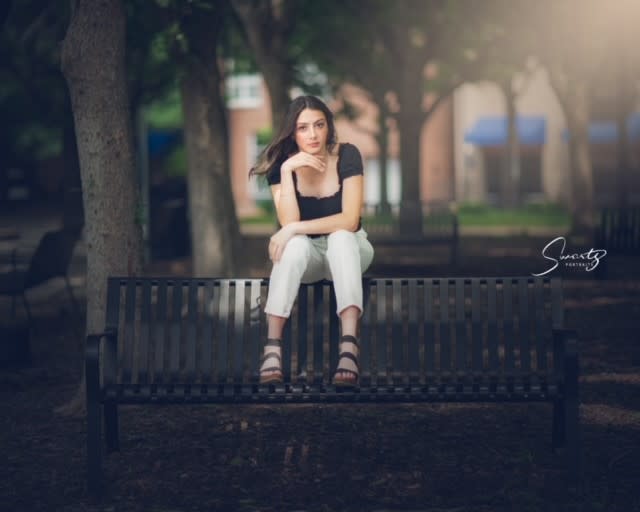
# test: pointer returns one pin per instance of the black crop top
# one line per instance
(349, 164)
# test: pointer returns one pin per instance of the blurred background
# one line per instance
(511, 112)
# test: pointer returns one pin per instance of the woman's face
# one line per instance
(311, 131)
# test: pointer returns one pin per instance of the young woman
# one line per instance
(317, 187)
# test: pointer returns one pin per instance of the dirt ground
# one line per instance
(451, 457)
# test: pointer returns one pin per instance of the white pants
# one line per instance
(341, 257)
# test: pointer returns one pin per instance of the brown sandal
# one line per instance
(274, 372)
(339, 379)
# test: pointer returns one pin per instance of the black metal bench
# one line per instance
(619, 234)
(194, 341)
(439, 227)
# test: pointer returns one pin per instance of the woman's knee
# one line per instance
(342, 240)
(298, 249)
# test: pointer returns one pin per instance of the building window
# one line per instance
(244, 91)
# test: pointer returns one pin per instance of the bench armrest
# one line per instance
(92, 360)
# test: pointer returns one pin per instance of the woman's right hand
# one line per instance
(302, 159)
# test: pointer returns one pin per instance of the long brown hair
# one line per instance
(284, 143)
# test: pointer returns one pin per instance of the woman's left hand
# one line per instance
(279, 241)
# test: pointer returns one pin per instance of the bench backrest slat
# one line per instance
(476, 327)
(318, 330)
(398, 340)
(381, 368)
(223, 333)
(539, 338)
(508, 328)
(445, 330)
(143, 347)
(209, 309)
(255, 321)
(160, 322)
(461, 332)
(303, 316)
(366, 333)
(450, 333)
(524, 326)
(129, 340)
(492, 328)
(413, 333)
(238, 334)
(429, 330)
(191, 330)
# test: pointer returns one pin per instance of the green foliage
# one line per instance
(176, 162)
(264, 136)
(166, 112)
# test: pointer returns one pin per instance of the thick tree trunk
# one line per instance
(73, 212)
(267, 25)
(573, 96)
(410, 121)
(215, 232)
(93, 64)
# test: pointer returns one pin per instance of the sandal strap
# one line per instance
(344, 370)
(349, 355)
(347, 338)
(273, 342)
(271, 354)
(271, 369)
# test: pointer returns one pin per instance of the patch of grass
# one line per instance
(543, 214)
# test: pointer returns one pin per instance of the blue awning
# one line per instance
(162, 141)
(492, 131)
(605, 132)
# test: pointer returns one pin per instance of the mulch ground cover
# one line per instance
(427, 457)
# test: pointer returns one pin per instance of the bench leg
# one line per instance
(111, 427)
(572, 412)
(94, 448)
(94, 416)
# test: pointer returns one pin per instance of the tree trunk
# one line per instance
(93, 63)
(573, 96)
(410, 121)
(267, 25)
(581, 173)
(73, 213)
(384, 207)
(215, 232)
(511, 172)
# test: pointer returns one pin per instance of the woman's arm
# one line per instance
(284, 199)
(284, 193)
(349, 218)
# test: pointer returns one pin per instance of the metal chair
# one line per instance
(51, 259)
